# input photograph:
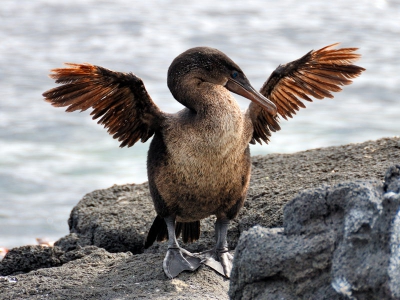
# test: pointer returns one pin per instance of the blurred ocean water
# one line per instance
(49, 159)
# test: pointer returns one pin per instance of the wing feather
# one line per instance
(316, 74)
(120, 100)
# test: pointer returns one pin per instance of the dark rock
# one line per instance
(26, 258)
(392, 179)
(78, 253)
(68, 242)
(102, 275)
(277, 178)
(117, 219)
(337, 242)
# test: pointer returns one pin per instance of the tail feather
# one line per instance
(158, 231)
(190, 231)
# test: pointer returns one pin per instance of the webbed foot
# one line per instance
(219, 260)
(178, 260)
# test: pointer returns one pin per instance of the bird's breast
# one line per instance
(207, 144)
(207, 162)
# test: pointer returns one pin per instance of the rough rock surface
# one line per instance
(337, 242)
(117, 220)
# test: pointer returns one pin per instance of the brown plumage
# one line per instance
(120, 99)
(199, 159)
(315, 74)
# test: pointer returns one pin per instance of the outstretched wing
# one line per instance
(120, 99)
(316, 74)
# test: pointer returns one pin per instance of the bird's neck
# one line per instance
(209, 100)
(214, 117)
(218, 119)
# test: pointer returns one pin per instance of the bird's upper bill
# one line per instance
(243, 88)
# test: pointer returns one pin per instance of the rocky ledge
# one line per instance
(331, 232)
(337, 242)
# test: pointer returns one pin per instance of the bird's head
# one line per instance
(204, 64)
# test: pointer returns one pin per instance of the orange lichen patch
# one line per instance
(3, 252)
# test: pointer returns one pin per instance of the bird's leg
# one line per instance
(177, 258)
(219, 258)
(225, 258)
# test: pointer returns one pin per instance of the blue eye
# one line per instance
(234, 74)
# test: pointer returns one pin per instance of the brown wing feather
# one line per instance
(316, 74)
(120, 99)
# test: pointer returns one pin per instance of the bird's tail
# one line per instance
(158, 231)
(190, 231)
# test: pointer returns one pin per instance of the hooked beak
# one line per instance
(243, 88)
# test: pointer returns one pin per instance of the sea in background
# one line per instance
(50, 159)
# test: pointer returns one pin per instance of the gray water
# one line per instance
(49, 159)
